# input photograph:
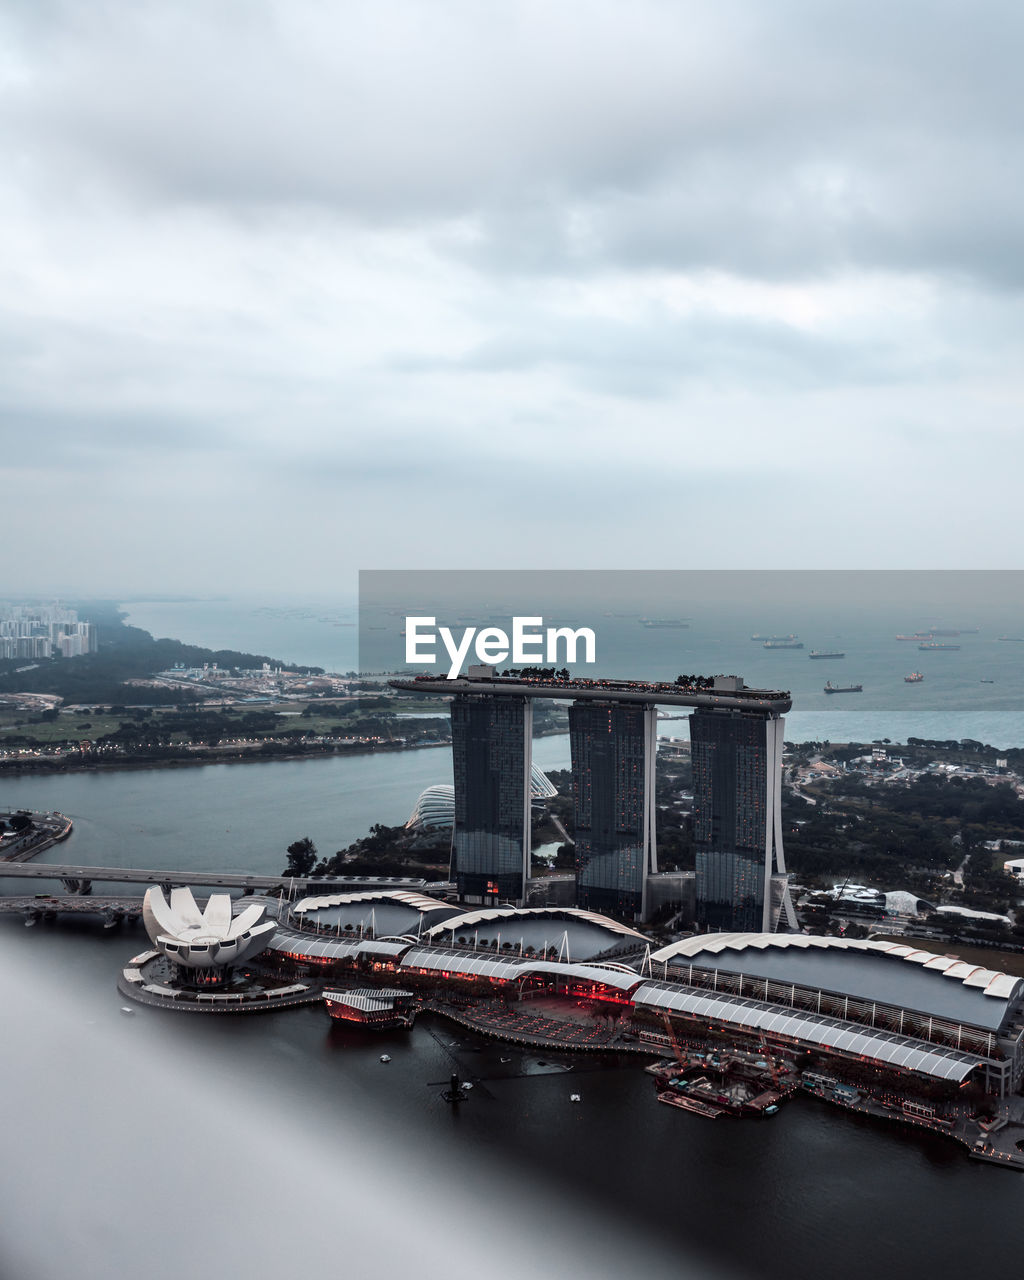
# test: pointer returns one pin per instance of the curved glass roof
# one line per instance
(940, 986)
(880, 1046)
(435, 808)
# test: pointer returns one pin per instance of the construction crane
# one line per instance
(772, 1069)
(673, 1041)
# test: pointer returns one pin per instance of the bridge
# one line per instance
(249, 880)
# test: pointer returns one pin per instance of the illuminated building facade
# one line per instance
(737, 821)
(491, 749)
(613, 755)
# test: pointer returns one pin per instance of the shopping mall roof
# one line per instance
(862, 969)
(403, 897)
(463, 963)
(827, 1033)
(328, 946)
(486, 915)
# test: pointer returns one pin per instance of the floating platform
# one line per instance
(706, 1109)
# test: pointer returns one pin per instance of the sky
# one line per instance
(293, 289)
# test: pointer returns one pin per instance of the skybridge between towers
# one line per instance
(737, 730)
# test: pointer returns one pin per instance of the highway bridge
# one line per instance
(247, 880)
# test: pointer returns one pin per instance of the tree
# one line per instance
(301, 858)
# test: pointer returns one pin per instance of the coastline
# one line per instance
(49, 768)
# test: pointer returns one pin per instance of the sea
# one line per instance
(975, 690)
(261, 1145)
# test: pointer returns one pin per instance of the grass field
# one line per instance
(325, 720)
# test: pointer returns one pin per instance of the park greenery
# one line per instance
(125, 653)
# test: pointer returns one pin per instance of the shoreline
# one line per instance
(48, 768)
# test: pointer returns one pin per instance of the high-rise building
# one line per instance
(613, 756)
(737, 821)
(491, 754)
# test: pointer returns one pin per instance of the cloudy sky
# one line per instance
(291, 289)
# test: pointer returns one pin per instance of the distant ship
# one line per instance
(664, 622)
(783, 644)
(918, 635)
(1018, 639)
(915, 677)
(821, 653)
(930, 644)
(984, 681)
(773, 638)
(937, 632)
(842, 688)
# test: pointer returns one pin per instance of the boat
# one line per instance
(761, 637)
(918, 635)
(915, 677)
(930, 644)
(842, 688)
(385, 1057)
(1016, 639)
(783, 644)
(822, 653)
(664, 622)
(984, 681)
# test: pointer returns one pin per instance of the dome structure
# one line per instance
(210, 939)
(435, 809)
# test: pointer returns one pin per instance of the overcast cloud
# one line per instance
(289, 289)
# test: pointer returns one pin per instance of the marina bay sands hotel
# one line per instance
(736, 745)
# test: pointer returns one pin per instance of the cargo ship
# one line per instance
(772, 638)
(932, 645)
(822, 653)
(915, 677)
(918, 636)
(783, 644)
(842, 688)
(664, 622)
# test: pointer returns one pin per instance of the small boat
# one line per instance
(770, 1110)
(984, 681)
(125, 1009)
(574, 1097)
(385, 1057)
(915, 677)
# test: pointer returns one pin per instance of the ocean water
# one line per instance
(306, 632)
(975, 691)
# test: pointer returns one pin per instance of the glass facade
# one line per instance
(736, 755)
(613, 750)
(491, 741)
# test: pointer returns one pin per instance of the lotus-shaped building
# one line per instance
(210, 939)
